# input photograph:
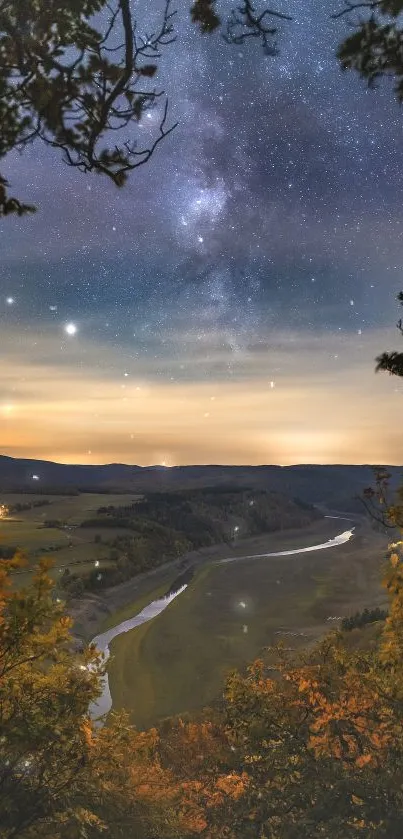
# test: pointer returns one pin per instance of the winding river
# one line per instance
(102, 641)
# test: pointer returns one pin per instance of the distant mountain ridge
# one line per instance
(334, 485)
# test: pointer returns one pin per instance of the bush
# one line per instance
(363, 618)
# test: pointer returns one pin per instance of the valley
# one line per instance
(231, 613)
(114, 553)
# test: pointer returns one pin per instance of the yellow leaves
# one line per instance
(356, 800)
(256, 758)
(86, 817)
(394, 560)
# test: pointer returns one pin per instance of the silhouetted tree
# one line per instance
(374, 48)
(392, 362)
(77, 74)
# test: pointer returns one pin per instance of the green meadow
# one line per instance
(229, 613)
(70, 546)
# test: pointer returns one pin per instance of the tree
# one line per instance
(76, 74)
(392, 362)
(317, 748)
(374, 49)
(60, 776)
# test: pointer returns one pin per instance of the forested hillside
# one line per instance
(336, 485)
(164, 526)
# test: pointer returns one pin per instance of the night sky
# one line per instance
(227, 305)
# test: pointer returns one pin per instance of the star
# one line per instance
(255, 240)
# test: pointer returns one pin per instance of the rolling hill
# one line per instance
(333, 485)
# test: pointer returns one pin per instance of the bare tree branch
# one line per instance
(245, 22)
(372, 5)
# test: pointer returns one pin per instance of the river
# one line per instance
(104, 704)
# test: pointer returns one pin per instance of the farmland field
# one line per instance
(67, 546)
(229, 613)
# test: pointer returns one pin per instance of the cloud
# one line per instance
(288, 401)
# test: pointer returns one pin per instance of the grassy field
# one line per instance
(179, 661)
(66, 547)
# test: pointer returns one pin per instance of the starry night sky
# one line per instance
(226, 306)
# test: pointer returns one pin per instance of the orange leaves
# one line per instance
(87, 731)
(233, 785)
(364, 760)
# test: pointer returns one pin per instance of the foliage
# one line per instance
(320, 743)
(374, 49)
(72, 84)
(60, 777)
(363, 618)
(76, 74)
(166, 525)
(392, 362)
(311, 748)
(79, 74)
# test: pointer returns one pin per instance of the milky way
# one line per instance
(259, 252)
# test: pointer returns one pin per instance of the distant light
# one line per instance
(35, 477)
(236, 528)
(70, 328)
(242, 604)
(10, 301)
(96, 563)
(272, 384)
(200, 239)
(53, 308)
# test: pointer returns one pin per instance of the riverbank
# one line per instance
(156, 607)
(231, 612)
(92, 613)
